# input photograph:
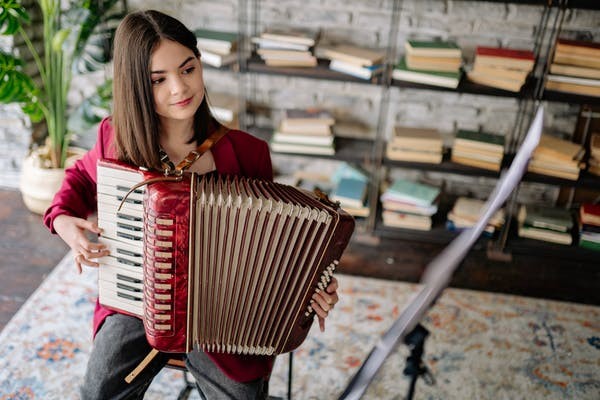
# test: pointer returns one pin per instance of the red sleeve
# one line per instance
(77, 194)
(264, 165)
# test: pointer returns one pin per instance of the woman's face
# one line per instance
(177, 82)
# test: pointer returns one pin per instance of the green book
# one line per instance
(401, 65)
(483, 137)
(588, 244)
(550, 218)
(432, 48)
(407, 191)
(216, 35)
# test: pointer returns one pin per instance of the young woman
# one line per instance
(159, 103)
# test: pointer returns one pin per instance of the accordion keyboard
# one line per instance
(120, 274)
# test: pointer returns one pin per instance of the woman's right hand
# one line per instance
(73, 231)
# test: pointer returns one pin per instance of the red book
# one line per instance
(504, 53)
(578, 48)
(590, 214)
(522, 60)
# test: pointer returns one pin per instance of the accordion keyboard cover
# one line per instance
(226, 264)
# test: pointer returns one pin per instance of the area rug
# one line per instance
(481, 345)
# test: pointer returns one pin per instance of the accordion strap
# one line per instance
(176, 174)
(194, 154)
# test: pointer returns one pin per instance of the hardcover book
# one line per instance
(543, 217)
(353, 54)
(220, 42)
(349, 191)
(408, 191)
(555, 148)
(432, 48)
(572, 70)
(363, 72)
(401, 72)
(418, 138)
(483, 140)
(579, 47)
(303, 36)
(590, 214)
(505, 57)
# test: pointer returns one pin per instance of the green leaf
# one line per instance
(59, 38)
(12, 15)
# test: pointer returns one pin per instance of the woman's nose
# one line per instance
(177, 85)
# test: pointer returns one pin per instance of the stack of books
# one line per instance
(217, 48)
(287, 47)
(305, 131)
(350, 189)
(466, 212)
(545, 223)
(435, 63)
(557, 157)
(225, 108)
(352, 60)
(575, 68)
(409, 205)
(478, 149)
(594, 160)
(589, 226)
(415, 144)
(501, 68)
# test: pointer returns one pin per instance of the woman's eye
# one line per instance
(157, 81)
(189, 70)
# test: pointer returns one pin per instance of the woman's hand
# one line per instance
(72, 231)
(324, 301)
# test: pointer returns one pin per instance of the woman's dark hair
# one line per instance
(134, 120)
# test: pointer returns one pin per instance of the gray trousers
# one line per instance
(120, 345)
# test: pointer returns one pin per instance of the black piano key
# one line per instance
(129, 288)
(129, 297)
(128, 262)
(129, 217)
(128, 278)
(129, 227)
(127, 236)
(128, 253)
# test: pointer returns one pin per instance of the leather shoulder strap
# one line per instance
(200, 150)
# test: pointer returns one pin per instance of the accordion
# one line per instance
(220, 263)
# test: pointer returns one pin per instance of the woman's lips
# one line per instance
(185, 102)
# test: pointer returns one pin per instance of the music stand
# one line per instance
(438, 273)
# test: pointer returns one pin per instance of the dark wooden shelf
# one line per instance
(446, 166)
(466, 86)
(586, 180)
(321, 71)
(563, 97)
(346, 149)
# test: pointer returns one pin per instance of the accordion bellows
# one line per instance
(225, 264)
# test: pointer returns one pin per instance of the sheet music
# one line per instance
(439, 271)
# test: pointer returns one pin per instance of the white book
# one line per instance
(427, 79)
(217, 60)
(281, 137)
(355, 70)
(574, 80)
(264, 43)
(302, 149)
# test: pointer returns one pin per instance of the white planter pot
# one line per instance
(39, 185)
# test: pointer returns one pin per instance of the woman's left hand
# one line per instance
(324, 301)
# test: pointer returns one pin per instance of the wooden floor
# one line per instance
(28, 252)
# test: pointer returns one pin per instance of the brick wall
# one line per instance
(368, 23)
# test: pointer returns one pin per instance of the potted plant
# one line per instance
(76, 38)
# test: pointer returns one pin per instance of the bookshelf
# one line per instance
(371, 154)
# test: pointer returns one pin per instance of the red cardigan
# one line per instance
(237, 153)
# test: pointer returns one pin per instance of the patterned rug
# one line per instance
(481, 346)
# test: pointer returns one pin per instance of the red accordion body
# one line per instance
(226, 264)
